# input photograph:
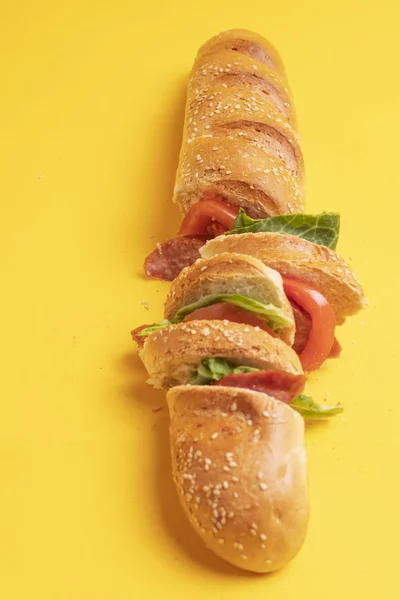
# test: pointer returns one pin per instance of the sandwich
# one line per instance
(257, 293)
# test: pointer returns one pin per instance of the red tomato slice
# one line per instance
(230, 312)
(323, 322)
(303, 328)
(279, 384)
(201, 215)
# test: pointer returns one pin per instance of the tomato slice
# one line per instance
(202, 214)
(279, 384)
(323, 322)
(303, 327)
(230, 312)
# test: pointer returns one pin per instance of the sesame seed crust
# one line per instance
(239, 118)
(300, 259)
(252, 518)
(172, 355)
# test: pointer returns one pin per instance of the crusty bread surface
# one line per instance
(230, 273)
(239, 465)
(297, 258)
(171, 355)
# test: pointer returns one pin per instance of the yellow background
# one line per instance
(91, 110)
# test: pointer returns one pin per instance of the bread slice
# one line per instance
(230, 273)
(171, 355)
(239, 465)
(299, 259)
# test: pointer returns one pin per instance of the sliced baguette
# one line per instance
(299, 259)
(171, 355)
(239, 465)
(230, 273)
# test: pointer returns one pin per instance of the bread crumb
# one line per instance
(146, 304)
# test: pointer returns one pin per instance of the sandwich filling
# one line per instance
(281, 385)
(231, 307)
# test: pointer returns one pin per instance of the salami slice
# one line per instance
(169, 258)
(303, 327)
(138, 338)
(279, 384)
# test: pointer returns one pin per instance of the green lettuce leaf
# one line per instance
(309, 409)
(322, 229)
(213, 369)
(274, 316)
(154, 327)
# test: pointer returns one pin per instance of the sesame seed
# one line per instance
(244, 557)
(235, 495)
(263, 546)
(235, 479)
(226, 469)
(206, 488)
(228, 455)
(207, 461)
(253, 532)
(259, 475)
(197, 499)
(216, 492)
(267, 561)
(231, 514)
(220, 540)
(263, 486)
(206, 467)
(249, 422)
(254, 526)
(263, 536)
(214, 436)
(266, 413)
(225, 485)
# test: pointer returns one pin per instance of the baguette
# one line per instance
(237, 444)
(230, 273)
(239, 139)
(239, 465)
(300, 259)
(171, 355)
